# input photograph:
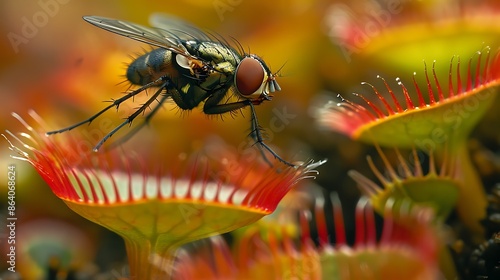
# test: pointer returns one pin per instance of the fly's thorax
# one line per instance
(254, 80)
(151, 66)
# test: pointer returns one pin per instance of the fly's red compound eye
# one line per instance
(249, 76)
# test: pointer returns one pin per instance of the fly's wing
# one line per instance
(187, 32)
(153, 36)
(178, 27)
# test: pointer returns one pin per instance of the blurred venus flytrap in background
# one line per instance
(396, 35)
(406, 248)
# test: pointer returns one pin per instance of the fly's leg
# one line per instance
(212, 107)
(257, 136)
(116, 103)
(146, 121)
(184, 100)
(172, 91)
(130, 118)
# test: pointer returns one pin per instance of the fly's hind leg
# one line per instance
(184, 100)
(115, 103)
(146, 121)
(134, 115)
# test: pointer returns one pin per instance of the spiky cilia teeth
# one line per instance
(352, 118)
(438, 189)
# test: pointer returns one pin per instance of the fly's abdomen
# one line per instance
(151, 66)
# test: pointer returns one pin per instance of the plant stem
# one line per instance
(150, 259)
(472, 201)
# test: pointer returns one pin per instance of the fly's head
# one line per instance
(254, 80)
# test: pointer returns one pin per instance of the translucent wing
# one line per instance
(178, 27)
(188, 32)
(149, 35)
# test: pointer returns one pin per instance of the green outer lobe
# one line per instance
(430, 127)
(441, 194)
(154, 229)
(182, 221)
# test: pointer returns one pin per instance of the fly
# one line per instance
(189, 67)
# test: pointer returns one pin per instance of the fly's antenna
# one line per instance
(278, 73)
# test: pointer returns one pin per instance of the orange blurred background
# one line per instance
(55, 63)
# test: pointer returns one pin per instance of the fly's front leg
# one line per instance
(257, 135)
(212, 107)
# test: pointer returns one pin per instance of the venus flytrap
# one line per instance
(157, 209)
(438, 189)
